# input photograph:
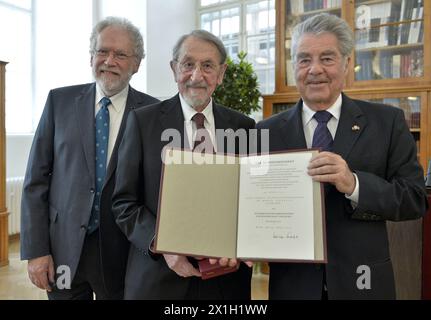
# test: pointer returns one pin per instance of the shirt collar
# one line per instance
(116, 100)
(335, 110)
(189, 112)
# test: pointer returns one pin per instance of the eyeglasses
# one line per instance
(119, 56)
(205, 67)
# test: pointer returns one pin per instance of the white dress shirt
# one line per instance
(190, 125)
(116, 112)
(309, 124)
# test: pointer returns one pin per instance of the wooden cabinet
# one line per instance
(391, 63)
(4, 235)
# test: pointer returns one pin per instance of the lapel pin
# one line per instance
(356, 128)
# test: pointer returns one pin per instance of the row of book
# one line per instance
(413, 10)
(389, 65)
(410, 106)
(378, 37)
(373, 29)
(387, 12)
(298, 7)
(280, 107)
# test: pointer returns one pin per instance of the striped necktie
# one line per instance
(322, 138)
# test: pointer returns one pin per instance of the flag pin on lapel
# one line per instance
(356, 128)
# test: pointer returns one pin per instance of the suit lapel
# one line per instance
(350, 127)
(222, 122)
(132, 102)
(171, 117)
(292, 131)
(84, 109)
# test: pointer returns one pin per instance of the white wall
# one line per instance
(167, 20)
(62, 55)
(162, 22)
(17, 150)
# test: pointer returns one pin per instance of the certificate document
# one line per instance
(255, 208)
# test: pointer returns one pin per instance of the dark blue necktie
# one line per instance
(322, 138)
(102, 137)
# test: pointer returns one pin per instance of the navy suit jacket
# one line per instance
(391, 187)
(136, 198)
(59, 184)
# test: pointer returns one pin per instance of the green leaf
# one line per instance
(240, 88)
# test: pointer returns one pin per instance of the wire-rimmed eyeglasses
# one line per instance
(205, 67)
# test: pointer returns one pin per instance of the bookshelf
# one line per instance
(389, 40)
(391, 63)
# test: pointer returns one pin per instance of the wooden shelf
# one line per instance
(371, 2)
(313, 12)
(389, 24)
(400, 47)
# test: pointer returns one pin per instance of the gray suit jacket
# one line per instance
(59, 184)
(391, 187)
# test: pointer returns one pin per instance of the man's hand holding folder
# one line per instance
(211, 268)
(208, 268)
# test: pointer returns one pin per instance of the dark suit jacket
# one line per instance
(60, 182)
(391, 187)
(136, 198)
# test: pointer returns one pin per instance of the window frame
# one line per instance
(36, 107)
(32, 33)
(243, 36)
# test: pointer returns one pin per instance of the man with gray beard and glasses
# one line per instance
(198, 65)
(67, 221)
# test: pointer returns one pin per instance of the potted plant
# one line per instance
(239, 90)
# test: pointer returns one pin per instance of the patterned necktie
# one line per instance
(322, 138)
(203, 139)
(102, 137)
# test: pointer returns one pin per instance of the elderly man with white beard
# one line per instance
(198, 65)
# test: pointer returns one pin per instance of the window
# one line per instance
(245, 25)
(47, 47)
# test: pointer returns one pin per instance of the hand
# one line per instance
(41, 272)
(332, 168)
(181, 266)
(229, 262)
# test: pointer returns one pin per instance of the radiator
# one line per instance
(13, 203)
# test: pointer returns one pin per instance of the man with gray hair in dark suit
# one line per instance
(368, 163)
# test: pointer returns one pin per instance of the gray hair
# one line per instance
(134, 33)
(202, 35)
(322, 23)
